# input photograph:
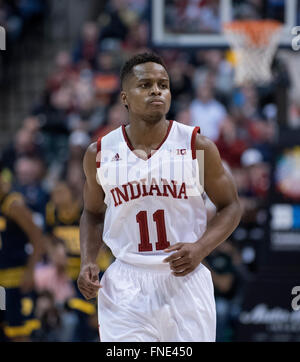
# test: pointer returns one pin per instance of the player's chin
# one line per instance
(155, 115)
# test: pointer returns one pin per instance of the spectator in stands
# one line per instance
(245, 102)
(214, 64)
(50, 317)
(52, 276)
(32, 124)
(183, 116)
(73, 172)
(117, 19)
(30, 172)
(258, 172)
(63, 70)
(230, 144)
(207, 112)
(54, 110)
(23, 144)
(226, 287)
(137, 38)
(106, 80)
(87, 47)
(294, 114)
(181, 85)
(117, 115)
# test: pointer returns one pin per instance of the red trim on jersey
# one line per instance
(98, 150)
(157, 148)
(193, 141)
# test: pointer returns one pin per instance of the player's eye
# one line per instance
(164, 85)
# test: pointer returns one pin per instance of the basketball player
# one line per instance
(157, 289)
(62, 221)
(17, 229)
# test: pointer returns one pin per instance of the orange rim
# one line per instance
(258, 32)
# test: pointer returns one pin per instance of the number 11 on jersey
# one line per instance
(159, 219)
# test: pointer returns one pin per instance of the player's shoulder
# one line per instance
(12, 198)
(110, 136)
(91, 150)
(94, 148)
(183, 127)
(183, 133)
(90, 156)
(204, 143)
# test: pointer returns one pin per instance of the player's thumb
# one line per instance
(94, 275)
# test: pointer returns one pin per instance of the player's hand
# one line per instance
(186, 258)
(88, 281)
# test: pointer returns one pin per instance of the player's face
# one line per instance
(147, 92)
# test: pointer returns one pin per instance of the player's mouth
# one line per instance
(157, 101)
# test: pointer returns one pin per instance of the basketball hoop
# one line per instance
(254, 43)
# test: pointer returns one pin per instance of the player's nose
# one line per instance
(155, 90)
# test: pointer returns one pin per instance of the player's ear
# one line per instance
(124, 99)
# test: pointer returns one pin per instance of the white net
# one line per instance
(254, 44)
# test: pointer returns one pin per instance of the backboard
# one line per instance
(199, 23)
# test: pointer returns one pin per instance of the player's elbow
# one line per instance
(233, 210)
(237, 210)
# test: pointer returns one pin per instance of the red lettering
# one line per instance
(154, 186)
(138, 188)
(123, 195)
(182, 191)
(159, 218)
(168, 187)
(136, 191)
(113, 195)
(145, 244)
(143, 181)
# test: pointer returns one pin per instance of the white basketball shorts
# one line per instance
(136, 304)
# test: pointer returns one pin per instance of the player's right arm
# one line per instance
(90, 227)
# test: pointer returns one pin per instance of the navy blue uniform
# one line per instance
(65, 225)
(18, 318)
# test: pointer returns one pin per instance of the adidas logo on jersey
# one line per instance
(116, 157)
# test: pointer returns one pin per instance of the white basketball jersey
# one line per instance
(152, 203)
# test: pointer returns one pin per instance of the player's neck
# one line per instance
(141, 133)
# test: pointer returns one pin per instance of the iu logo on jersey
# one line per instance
(181, 151)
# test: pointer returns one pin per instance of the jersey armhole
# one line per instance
(98, 156)
(193, 141)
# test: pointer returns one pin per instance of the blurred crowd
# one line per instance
(80, 102)
(19, 16)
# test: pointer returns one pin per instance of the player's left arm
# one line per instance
(20, 213)
(220, 188)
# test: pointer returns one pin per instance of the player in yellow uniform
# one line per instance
(63, 213)
(17, 262)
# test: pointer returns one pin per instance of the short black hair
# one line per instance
(139, 59)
